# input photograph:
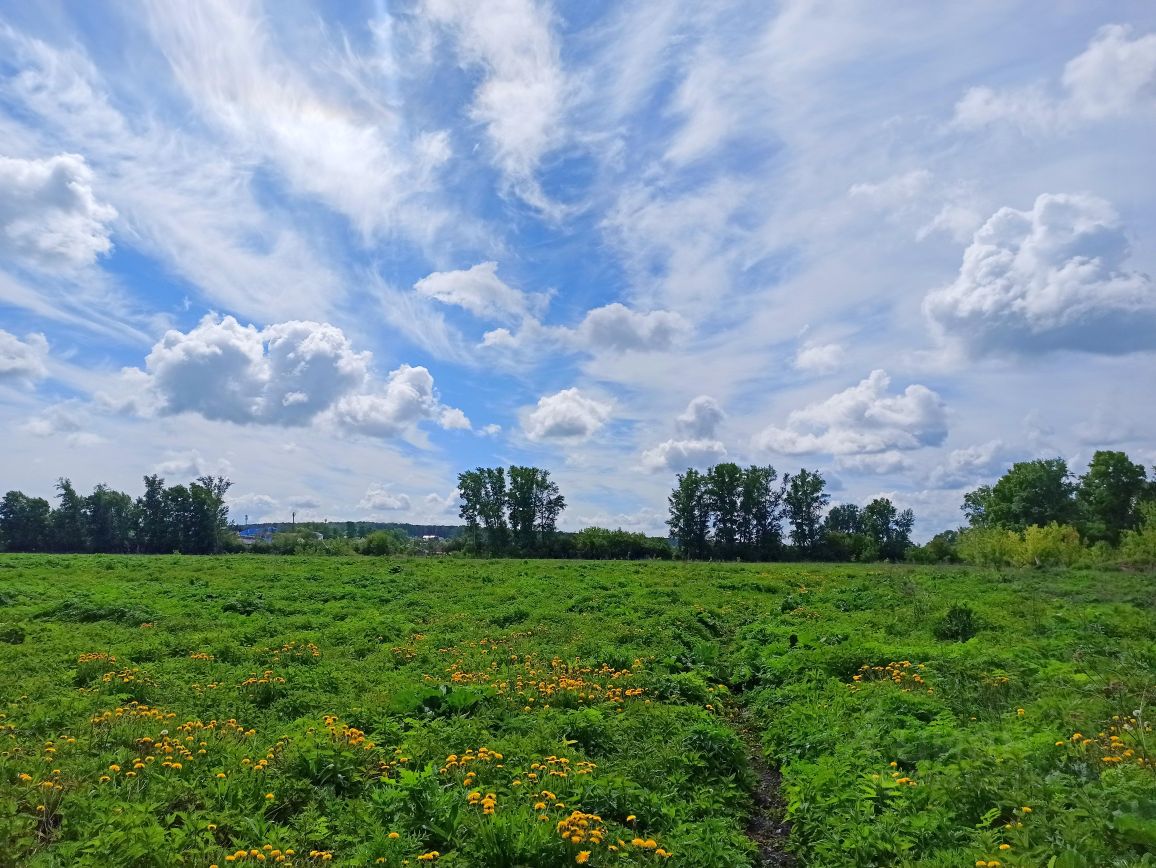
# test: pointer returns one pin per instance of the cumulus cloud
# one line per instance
(190, 464)
(408, 397)
(678, 455)
(818, 358)
(613, 328)
(437, 504)
(379, 497)
(1048, 279)
(255, 506)
(617, 327)
(890, 461)
(917, 194)
(566, 415)
(287, 374)
(66, 418)
(1114, 76)
(521, 96)
(480, 291)
(282, 375)
(862, 419)
(304, 501)
(49, 215)
(22, 361)
(967, 466)
(701, 418)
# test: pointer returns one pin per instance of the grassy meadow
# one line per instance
(207, 711)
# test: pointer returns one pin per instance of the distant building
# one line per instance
(251, 535)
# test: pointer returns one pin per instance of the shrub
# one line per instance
(958, 625)
(987, 546)
(1054, 545)
(1139, 546)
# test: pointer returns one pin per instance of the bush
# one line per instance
(1055, 545)
(1139, 546)
(958, 625)
(988, 546)
(381, 543)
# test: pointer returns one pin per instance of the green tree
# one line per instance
(888, 529)
(724, 484)
(1109, 496)
(24, 522)
(493, 509)
(760, 514)
(844, 518)
(471, 491)
(689, 519)
(805, 501)
(67, 519)
(208, 516)
(153, 522)
(1031, 493)
(109, 520)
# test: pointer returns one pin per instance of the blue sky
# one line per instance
(341, 251)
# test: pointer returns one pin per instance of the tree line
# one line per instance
(1039, 513)
(733, 513)
(509, 514)
(190, 519)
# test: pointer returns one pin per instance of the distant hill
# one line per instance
(357, 529)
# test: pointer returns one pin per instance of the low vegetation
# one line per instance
(355, 711)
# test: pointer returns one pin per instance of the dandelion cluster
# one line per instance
(267, 853)
(1125, 741)
(903, 674)
(532, 683)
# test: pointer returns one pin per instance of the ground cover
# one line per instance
(212, 711)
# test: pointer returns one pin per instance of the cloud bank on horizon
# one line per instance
(341, 251)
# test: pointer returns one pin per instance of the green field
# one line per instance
(205, 711)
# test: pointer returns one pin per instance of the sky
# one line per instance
(340, 252)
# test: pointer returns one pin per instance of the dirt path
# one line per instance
(766, 826)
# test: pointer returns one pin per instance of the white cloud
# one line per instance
(566, 415)
(491, 430)
(453, 419)
(256, 507)
(701, 418)
(49, 215)
(1048, 279)
(521, 98)
(329, 140)
(66, 418)
(678, 455)
(881, 463)
(969, 465)
(1113, 77)
(379, 497)
(895, 191)
(287, 374)
(22, 361)
(304, 501)
(682, 249)
(819, 358)
(282, 375)
(862, 419)
(480, 291)
(191, 464)
(407, 398)
(617, 327)
(438, 505)
(181, 196)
